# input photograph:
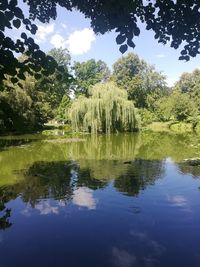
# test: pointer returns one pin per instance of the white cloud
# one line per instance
(57, 41)
(79, 42)
(160, 55)
(83, 197)
(43, 32)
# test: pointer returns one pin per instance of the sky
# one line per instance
(72, 30)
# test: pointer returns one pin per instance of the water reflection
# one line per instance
(80, 205)
(188, 169)
(6, 143)
(121, 147)
(139, 174)
(75, 182)
(83, 197)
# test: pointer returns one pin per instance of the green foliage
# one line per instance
(184, 108)
(176, 106)
(181, 127)
(88, 74)
(63, 109)
(57, 84)
(164, 108)
(141, 81)
(147, 116)
(106, 110)
(121, 17)
(28, 106)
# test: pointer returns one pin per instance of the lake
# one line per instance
(116, 201)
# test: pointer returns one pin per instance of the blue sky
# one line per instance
(72, 30)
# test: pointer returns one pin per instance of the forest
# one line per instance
(89, 97)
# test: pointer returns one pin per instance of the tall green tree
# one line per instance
(88, 74)
(27, 106)
(142, 82)
(106, 110)
(58, 84)
(189, 83)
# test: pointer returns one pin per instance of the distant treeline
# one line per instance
(90, 97)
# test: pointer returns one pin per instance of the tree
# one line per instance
(189, 83)
(106, 110)
(177, 106)
(184, 108)
(28, 106)
(173, 22)
(63, 108)
(164, 108)
(142, 82)
(88, 74)
(57, 85)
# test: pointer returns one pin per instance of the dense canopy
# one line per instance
(172, 21)
(106, 110)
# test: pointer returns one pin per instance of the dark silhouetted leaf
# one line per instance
(14, 80)
(23, 35)
(130, 43)
(17, 23)
(120, 39)
(18, 13)
(123, 48)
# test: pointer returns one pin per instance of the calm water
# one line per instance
(124, 200)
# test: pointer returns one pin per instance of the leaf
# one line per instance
(16, 23)
(26, 21)
(14, 80)
(23, 35)
(183, 52)
(18, 13)
(136, 31)
(9, 15)
(21, 76)
(123, 48)
(34, 29)
(13, 3)
(120, 39)
(131, 43)
(37, 76)
(3, 5)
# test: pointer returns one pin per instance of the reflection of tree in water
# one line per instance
(103, 147)
(5, 213)
(6, 143)
(188, 169)
(47, 180)
(140, 174)
(58, 180)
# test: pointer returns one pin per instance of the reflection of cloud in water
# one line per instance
(178, 200)
(61, 203)
(83, 197)
(154, 247)
(45, 208)
(122, 258)
(26, 212)
(151, 252)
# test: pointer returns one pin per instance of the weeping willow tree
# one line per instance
(106, 110)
